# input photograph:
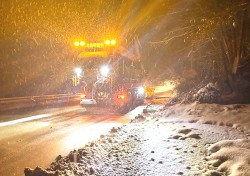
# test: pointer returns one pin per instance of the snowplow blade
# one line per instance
(88, 102)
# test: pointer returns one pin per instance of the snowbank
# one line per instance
(235, 116)
(208, 94)
(231, 156)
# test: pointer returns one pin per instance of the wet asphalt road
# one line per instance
(45, 134)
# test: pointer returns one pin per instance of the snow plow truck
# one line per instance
(111, 79)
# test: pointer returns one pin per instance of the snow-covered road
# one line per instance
(170, 142)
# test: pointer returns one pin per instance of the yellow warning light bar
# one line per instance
(95, 45)
(113, 42)
(110, 42)
(107, 42)
(82, 43)
(79, 43)
(76, 43)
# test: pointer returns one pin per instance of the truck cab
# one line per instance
(114, 78)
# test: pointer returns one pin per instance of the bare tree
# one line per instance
(216, 39)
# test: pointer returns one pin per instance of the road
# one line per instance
(29, 139)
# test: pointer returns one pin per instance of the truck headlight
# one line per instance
(141, 90)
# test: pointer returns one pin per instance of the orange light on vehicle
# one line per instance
(113, 42)
(83, 96)
(121, 97)
(107, 42)
(82, 43)
(77, 43)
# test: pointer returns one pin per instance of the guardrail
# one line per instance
(36, 101)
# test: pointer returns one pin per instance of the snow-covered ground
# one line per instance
(192, 139)
(230, 157)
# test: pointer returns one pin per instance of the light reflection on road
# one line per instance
(13, 122)
(76, 138)
(40, 141)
